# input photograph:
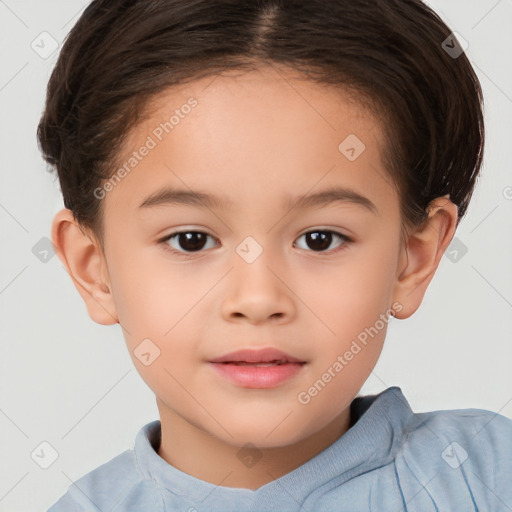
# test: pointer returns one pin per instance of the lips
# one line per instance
(257, 357)
(263, 368)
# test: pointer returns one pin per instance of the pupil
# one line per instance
(192, 241)
(321, 239)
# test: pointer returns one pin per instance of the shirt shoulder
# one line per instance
(117, 485)
(463, 455)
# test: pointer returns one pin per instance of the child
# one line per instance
(261, 130)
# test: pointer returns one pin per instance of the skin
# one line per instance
(255, 137)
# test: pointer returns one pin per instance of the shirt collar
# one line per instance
(371, 442)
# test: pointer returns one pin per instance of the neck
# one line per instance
(196, 452)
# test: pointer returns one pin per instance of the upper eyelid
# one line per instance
(202, 230)
(309, 230)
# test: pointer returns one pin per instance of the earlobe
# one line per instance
(422, 253)
(84, 261)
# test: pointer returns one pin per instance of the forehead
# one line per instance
(259, 132)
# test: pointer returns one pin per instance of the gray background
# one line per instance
(69, 382)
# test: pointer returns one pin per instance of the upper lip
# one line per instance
(263, 355)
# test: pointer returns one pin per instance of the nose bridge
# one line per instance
(255, 259)
(255, 289)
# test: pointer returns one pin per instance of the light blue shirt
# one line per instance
(390, 460)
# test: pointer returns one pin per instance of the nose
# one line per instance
(258, 292)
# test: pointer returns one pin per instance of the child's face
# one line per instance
(254, 141)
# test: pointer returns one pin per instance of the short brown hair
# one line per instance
(121, 53)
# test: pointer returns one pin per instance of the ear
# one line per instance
(84, 261)
(422, 253)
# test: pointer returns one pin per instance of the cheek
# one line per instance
(352, 294)
(149, 291)
(157, 301)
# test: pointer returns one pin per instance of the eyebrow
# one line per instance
(171, 196)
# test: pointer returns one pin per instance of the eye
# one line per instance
(185, 243)
(320, 240)
(189, 241)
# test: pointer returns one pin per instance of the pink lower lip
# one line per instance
(251, 376)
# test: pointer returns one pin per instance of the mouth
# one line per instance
(264, 356)
(263, 363)
(263, 368)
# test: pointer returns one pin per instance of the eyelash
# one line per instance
(190, 255)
